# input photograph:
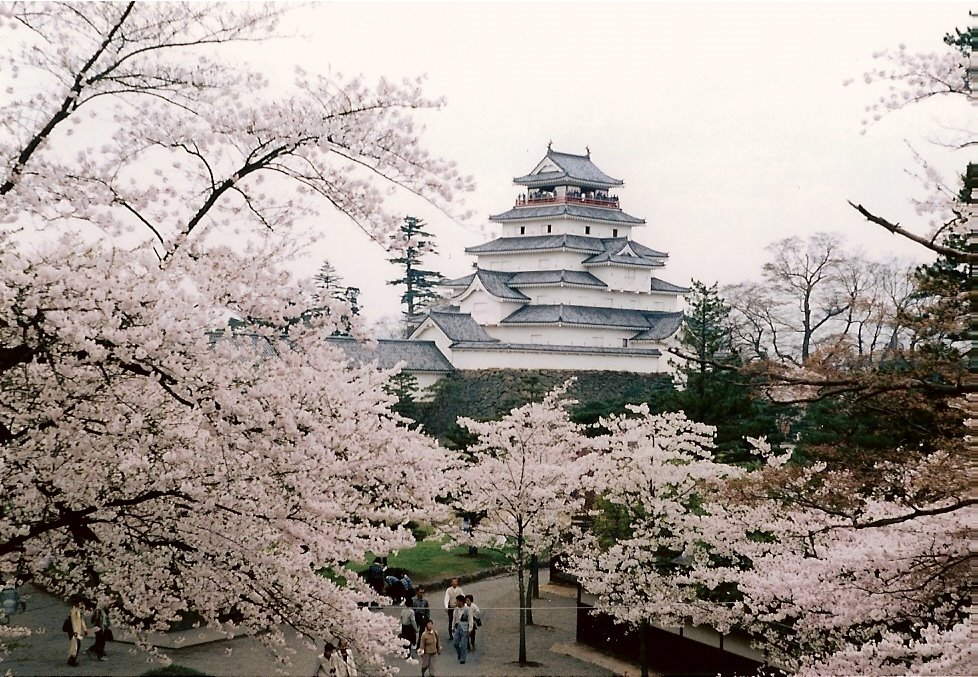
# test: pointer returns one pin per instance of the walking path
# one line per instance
(44, 652)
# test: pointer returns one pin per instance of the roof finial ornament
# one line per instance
(587, 149)
(549, 143)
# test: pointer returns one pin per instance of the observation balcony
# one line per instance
(548, 198)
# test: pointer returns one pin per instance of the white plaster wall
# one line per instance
(623, 278)
(564, 225)
(583, 296)
(465, 359)
(485, 308)
(533, 261)
(436, 335)
(562, 336)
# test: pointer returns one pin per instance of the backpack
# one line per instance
(66, 626)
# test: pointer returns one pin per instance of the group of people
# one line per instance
(336, 661)
(77, 629)
(383, 580)
(418, 628)
(464, 616)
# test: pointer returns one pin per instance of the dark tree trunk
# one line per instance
(521, 584)
(643, 639)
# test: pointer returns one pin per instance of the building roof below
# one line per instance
(662, 285)
(663, 326)
(459, 327)
(644, 321)
(417, 356)
(556, 241)
(613, 216)
(555, 277)
(530, 278)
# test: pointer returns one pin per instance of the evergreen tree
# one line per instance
(330, 287)
(712, 389)
(404, 386)
(329, 284)
(410, 245)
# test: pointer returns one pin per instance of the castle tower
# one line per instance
(564, 286)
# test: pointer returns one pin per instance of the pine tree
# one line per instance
(330, 287)
(411, 244)
(715, 391)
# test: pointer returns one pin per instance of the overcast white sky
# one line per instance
(728, 122)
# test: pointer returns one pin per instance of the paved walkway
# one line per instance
(44, 652)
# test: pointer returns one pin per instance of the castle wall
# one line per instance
(501, 359)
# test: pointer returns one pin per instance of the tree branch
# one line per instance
(950, 252)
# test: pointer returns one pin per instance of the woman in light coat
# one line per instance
(78, 630)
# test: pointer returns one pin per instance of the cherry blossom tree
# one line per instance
(650, 469)
(147, 463)
(521, 477)
(847, 578)
(827, 574)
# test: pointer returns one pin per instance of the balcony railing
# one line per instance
(610, 201)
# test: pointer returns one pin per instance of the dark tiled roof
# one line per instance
(574, 169)
(568, 209)
(616, 245)
(496, 283)
(460, 327)
(652, 325)
(462, 282)
(578, 243)
(583, 315)
(608, 257)
(260, 345)
(544, 348)
(663, 326)
(547, 277)
(662, 285)
(388, 353)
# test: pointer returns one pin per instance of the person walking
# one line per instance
(422, 612)
(331, 663)
(100, 624)
(460, 638)
(78, 629)
(428, 648)
(453, 591)
(349, 668)
(475, 619)
(409, 626)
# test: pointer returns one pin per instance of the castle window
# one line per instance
(614, 232)
(522, 230)
(624, 343)
(549, 228)
(587, 230)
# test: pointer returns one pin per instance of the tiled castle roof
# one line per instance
(460, 327)
(526, 279)
(662, 285)
(578, 243)
(654, 324)
(571, 209)
(419, 356)
(572, 170)
(553, 277)
(387, 353)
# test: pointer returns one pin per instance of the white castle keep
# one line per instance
(564, 286)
